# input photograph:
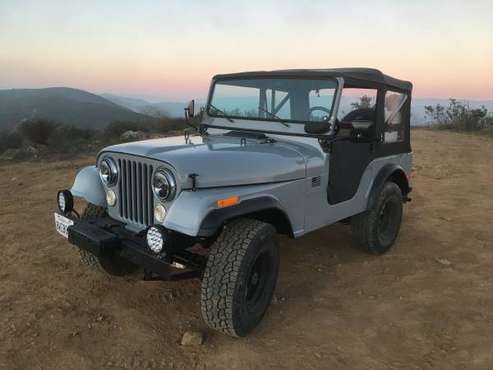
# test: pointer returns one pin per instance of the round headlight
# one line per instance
(108, 171)
(155, 239)
(163, 184)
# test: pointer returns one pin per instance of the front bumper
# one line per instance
(105, 238)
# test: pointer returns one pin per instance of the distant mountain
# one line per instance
(66, 105)
(170, 109)
(135, 104)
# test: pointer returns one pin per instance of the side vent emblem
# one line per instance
(315, 182)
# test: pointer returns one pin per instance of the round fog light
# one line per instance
(155, 239)
(111, 198)
(65, 201)
(159, 213)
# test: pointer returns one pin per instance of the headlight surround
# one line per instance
(163, 184)
(108, 171)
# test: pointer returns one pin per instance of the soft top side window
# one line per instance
(393, 125)
(358, 104)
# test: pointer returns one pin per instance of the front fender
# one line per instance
(88, 185)
(195, 212)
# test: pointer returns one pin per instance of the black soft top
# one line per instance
(358, 77)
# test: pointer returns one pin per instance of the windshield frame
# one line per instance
(333, 108)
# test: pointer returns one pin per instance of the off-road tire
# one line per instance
(376, 230)
(234, 258)
(112, 265)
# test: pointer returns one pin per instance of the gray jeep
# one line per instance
(280, 152)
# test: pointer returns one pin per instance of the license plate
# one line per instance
(62, 223)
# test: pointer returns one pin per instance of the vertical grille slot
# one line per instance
(136, 201)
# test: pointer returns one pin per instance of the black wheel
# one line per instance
(240, 277)
(376, 230)
(112, 265)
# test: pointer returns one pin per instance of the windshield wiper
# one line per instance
(275, 116)
(222, 112)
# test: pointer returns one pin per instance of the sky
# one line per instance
(171, 49)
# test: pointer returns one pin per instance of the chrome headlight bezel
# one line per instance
(164, 184)
(108, 171)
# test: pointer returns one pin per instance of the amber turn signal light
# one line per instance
(228, 202)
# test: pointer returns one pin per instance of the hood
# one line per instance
(222, 160)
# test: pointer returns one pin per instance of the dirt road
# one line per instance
(426, 304)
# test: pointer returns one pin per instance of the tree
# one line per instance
(459, 116)
(37, 130)
(364, 102)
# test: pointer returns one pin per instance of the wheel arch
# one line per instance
(265, 208)
(88, 185)
(390, 172)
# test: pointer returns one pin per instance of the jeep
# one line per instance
(272, 152)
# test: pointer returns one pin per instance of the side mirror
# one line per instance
(317, 128)
(190, 109)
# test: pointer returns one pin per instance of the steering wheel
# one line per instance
(318, 107)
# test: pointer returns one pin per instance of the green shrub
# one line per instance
(10, 140)
(459, 116)
(37, 130)
(165, 124)
(69, 139)
(115, 129)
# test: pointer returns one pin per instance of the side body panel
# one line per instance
(320, 213)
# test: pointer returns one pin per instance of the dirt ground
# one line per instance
(426, 304)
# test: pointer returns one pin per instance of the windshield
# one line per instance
(295, 100)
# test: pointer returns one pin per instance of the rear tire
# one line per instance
(240, 277)
(375, 230)
(112, 265)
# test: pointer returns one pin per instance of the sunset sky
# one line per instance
(170, 49)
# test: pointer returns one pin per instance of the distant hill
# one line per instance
(66, 105)
(135, 104)
(170, 109)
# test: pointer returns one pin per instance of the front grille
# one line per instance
(136, 200)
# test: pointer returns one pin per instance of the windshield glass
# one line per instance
(273, 99)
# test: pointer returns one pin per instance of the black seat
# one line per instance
(361, 114)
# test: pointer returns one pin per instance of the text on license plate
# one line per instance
(62, 223)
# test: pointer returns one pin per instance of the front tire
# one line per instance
(376, 230)
(112, 265)
(240, 277)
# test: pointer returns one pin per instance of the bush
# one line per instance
(69, 139)
(10, 140)
(459, 116)
(166, 124)
(115, 129)
(37, 130)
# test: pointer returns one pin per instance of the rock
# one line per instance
(192, 338)
(443, 261)
(32, 150)
(133, 135)
(277, 300)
